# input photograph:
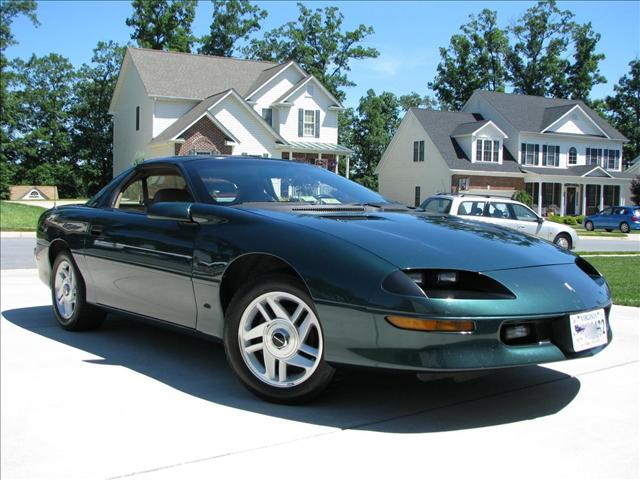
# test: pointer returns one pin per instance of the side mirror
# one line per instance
(540, 220)
(176, 211)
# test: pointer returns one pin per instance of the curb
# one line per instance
(17, 234)
(628, 238)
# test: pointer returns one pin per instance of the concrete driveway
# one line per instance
(142, 401)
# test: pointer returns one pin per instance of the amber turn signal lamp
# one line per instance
(409, 323)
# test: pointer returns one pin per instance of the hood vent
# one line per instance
(328, 209)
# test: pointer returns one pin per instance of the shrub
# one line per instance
(523, 196)
(570, 221)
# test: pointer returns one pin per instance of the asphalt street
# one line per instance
(140, 401)
(18, 252)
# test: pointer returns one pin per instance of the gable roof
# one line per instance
(472, 128)
(528, 113)
(440, 126)
(200, 110)
(185, 75)
(306, 79)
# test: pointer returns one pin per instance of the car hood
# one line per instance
(415, 240)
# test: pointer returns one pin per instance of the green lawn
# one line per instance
(15, 217)
(622, 275)
(590, 254)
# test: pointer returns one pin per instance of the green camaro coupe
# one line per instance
(299, 270)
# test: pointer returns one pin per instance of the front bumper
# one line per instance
(393, 348)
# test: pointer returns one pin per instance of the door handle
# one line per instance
(96, 230)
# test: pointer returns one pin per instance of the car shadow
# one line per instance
(369, 400)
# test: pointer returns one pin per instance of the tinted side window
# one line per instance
(437, 205)
(606, 211)
(523, 213)
(471, 208)
(497, 210)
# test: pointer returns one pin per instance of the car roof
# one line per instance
(236, 158)
(468, 196)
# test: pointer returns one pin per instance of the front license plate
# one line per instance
(588, 330)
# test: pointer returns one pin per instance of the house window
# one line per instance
(463, 184)
(265, 155)
(487, 151)
(137, 118)
(594, 156)
(529, 154)
(416, 201)
(418, 151)
(309, 123)
(573, 156)
(551, 155)
(267, 114)
(611, 159)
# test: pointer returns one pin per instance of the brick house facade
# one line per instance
(203, 138)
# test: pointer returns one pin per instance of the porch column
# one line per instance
(562, 201)
(347, 169)
(540, 198)
(601, 205)
(337, 163)
(584, 199)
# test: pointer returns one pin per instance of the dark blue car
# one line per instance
(612, 218)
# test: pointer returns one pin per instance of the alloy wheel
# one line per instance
(280, 339)
(66, 290)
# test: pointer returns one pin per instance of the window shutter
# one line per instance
(300, 122)
(523, 153)
(537, 154)
(415, 151)
(557, 159)
(544, 155)
(317, 123)
(421, 157)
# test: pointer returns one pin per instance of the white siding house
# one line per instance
(561, 152)
(168, 103)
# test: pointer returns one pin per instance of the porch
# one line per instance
(323, 155)
(576, 198)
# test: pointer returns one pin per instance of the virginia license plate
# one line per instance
(588, 330)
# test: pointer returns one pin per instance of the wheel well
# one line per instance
(248, 267)
(564, 235)
(55, 248)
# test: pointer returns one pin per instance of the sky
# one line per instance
(407, 34)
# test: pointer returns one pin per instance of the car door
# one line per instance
(139, 264)
(499, 213)
(526, 220)
(603, 219)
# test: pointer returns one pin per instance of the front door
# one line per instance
(570, 202)
(143, 265)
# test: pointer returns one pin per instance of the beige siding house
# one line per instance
(168, 103)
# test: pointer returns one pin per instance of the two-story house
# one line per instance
(560, 151)
(168, 103)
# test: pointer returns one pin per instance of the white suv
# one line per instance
(501, 211)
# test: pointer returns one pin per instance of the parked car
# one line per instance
(620, 218)
(299, 270)
(504, 212)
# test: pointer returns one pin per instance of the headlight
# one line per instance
(449, 284)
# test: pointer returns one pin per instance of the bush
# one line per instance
(566, 220)
(523, 196)
(570, 221)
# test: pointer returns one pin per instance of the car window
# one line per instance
(606, 211)
(437, 205)
(523, 213)
(620, 211)
(155, 183)
(497, 210)
(471, 208)
(132, 197)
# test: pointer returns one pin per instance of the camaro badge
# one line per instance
(569, 287)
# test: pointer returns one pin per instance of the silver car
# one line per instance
(504, 212)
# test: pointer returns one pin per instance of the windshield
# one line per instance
(231, 182)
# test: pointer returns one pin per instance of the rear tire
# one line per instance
(563, 241)
(68, 296)
(608, 230)
(274, 342)
(588, 225)
(624, 227)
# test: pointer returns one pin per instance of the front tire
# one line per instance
(588, 225)
(274, 342)
(624, 227)
(68, 297)
(563, 241)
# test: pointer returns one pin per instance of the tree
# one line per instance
(8, 12)
(373, 127)
(415, 100)
(90, 122)
(535, 62)
(233, 20)
(318, 43)
(584, 72)
(162, 24)
(624, 109)
(635, 190)
(43, 147)
(473, 60)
